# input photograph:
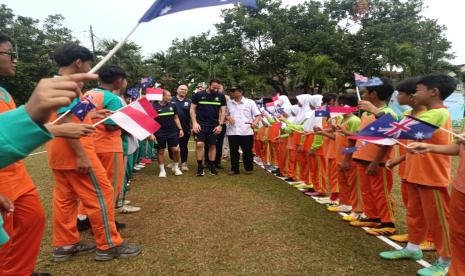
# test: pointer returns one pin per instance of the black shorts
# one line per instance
(172, 140)
(206, 135)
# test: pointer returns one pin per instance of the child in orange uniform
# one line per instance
(428, 177)
(375, 180)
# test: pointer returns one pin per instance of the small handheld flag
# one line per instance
(154, 94)
(145, 106)
(146, 82)
(82, 108)
(135, 122)
(322, 112)
(336, 111)
(362, 81)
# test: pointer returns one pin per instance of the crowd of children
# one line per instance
(319, 155)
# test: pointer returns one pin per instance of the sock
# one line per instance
(211, 164)
(412, 247)
(200, 163)
(175, 166)
(444, 260)
(82, 217)
(162, 167)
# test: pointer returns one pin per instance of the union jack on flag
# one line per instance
(82, 108)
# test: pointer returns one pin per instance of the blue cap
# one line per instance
(3, 235)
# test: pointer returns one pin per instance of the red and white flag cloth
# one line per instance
(144, 106)
(335, 111)
(375, 140)
(275, 99)
(136, 122)
(154, 94)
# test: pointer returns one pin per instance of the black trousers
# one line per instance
(183, 147)
(246, 144)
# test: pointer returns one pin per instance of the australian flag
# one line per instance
(83, 107)
(362, 81)
(164, 7)
(133, 93)
(409, 128)
(146, 82)
(322, 112)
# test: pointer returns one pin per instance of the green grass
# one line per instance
(227, 225)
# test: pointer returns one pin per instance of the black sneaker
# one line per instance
(289, 179)
(119, 226)
(122, 251)
(219, 167)
(60, 254)
(83, 225)
(200, 172)
(213, 170)
(233, 173)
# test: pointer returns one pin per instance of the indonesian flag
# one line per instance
(144, 106)
(375, 140)
(335, 111)
(154, 94)
(136, 122)
(275, 99)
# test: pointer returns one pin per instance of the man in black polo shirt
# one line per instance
(207, 111)
(169, 132)
(183, 106)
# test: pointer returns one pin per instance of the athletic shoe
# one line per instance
(323, 200)
(212, 170)
(401, 254)
(437, 269)
(219, 167)
(146, 161)
(184, 167)
(427, 246)
(136, 169)
(340, 208)
(399, 238)
(61, 254)
(122, 251)
(248, 172)
(127, 202)
(176, 171)
(233, 173)
(162, 174)
(290, 179)
(128, 209)
(140, 166)
(366, 222)
(120, 226)
(200, 172)
(170, 165)
(314, 194)
(83, 225)
(384, 229)
(353, 216)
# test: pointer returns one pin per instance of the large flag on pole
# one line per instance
(165, 7)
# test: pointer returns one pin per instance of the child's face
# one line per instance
(404, 98)
(366, 95)
(423, 94)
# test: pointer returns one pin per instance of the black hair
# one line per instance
(240, 88)
(385, 91)
(66, 54)
(408, 86)
(327, 97)
(444, 83)
(348, 99)
(4, 38)
(215, 80)
(111, 73)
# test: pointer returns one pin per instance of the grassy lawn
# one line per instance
(227, 225)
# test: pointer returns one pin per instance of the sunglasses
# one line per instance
(13, 55)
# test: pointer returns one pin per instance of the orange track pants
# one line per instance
(349, 188)
(376, 193)
(283, 156)
(457, 233)
(428, 210)
(332, 175)
(25, 226)
(304, 167)
(318, 173)
(292, 164)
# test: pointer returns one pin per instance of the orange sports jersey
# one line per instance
(368, 152)
(308, 141)
(329, 144)
(273, 133)
(294, 140)
(60, 154)
(11, 189)
(106, 141)
(459, 181)
(351, 124)
(431, 169)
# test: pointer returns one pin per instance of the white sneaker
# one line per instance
(139, 166)
(126, 202)
(136, 168)
(162, 174)
(184, 167)
(177, 171)
(323, 200)
(170, 165)
(127, 209)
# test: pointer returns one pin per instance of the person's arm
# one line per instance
(217, 130)
(70, 130)
(345, 165)
(373, 166)
(391, 163)
(83, 164)
(195, 125)
(416, 147)
(178, 125)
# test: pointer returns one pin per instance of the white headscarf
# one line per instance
(283, 101)
(312, 121)
(316, 100)
(304, 101)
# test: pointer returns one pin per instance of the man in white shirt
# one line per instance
(242, 116)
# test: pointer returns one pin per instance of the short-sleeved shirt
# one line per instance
(330, 144)
(208, 108)
(431, 169)
(351, 124)
(166, 115)
(11, 189)
(183, 108)
(106, 141)
(368, 152)
(243, 112)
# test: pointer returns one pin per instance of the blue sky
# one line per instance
(114, 18)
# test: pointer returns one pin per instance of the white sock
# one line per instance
(412, 247)
(82, 217)
(162, 167)
(175, 166)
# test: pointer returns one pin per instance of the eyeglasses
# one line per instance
(13, 55)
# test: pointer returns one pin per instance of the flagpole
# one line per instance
(358, 93)
(104, 119)
(114, 50)
(452, 133)
(61, 117)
